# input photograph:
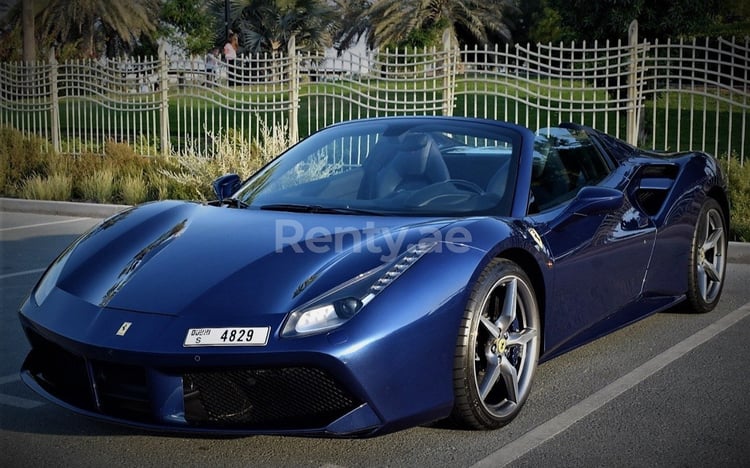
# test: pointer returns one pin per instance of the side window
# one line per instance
(564, 161)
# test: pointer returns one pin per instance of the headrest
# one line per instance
(414, 141)
(413, 154)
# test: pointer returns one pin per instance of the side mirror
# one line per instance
(590, 200)
(225, 186)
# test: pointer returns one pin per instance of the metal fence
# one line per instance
(667, 96)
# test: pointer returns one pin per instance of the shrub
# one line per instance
(122, 159)
(191, 173)
(739, 197)
(53, 187)
(82, 168)
(98, 186)
(187, 175)
(133, 189)
(143, 146)
(21, 157)
(157, 183)
(77, 146)
(119, 159)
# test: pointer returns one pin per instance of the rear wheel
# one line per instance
(707, 258)
(497, 348)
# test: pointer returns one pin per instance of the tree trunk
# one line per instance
(89, 40)
(29, 39)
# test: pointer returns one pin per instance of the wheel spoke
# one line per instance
(702, 281)
(713, 239)
(490, 326)
(508, 314)
(510, 377)
(710, 271)
(521, 338)
(490, 378)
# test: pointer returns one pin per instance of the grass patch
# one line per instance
(58, 187)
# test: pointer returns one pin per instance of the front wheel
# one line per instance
(497, 348)
(708, 258)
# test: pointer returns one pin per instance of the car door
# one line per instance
(600, 242)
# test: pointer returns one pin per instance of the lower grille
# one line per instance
(61, 373)
(290, 397)
(122, 390)
(113, 389)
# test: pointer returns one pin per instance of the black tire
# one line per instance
(497, 348)
(708, 258)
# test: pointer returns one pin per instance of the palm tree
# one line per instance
(87, 21)
(391, 22)
(354, 20)
(268, 25)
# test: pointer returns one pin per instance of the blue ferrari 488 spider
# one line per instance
(380, 274)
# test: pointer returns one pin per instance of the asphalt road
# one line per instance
(670, 390)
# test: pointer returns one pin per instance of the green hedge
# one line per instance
(738, 177)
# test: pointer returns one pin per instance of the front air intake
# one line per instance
(274, 398)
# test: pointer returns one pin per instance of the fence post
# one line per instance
(293, 90)
(632, 106)
(164, 104)
(55, 102)
(449, 76)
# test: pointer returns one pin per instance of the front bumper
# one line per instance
(376, 376)
(277, 399)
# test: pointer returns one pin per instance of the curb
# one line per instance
(739, 252)
(61, 208)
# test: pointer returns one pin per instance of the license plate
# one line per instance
(230, 336)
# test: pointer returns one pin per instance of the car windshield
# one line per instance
(396, 166)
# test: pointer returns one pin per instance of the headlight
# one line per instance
(337, 306)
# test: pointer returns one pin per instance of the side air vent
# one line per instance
(654, 184)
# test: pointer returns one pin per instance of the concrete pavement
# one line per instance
(60, 208)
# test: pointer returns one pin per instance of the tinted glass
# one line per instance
(564, 161)
(430, 167)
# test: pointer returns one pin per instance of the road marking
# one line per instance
(51, 223)
(18, 402)
(21, 273)
(544, 432)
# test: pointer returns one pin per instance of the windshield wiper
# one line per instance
(301, 208)
(233, 202)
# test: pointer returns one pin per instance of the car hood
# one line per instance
(178, 258)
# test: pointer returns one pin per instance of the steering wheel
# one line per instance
(466, 184)
(436, 193)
